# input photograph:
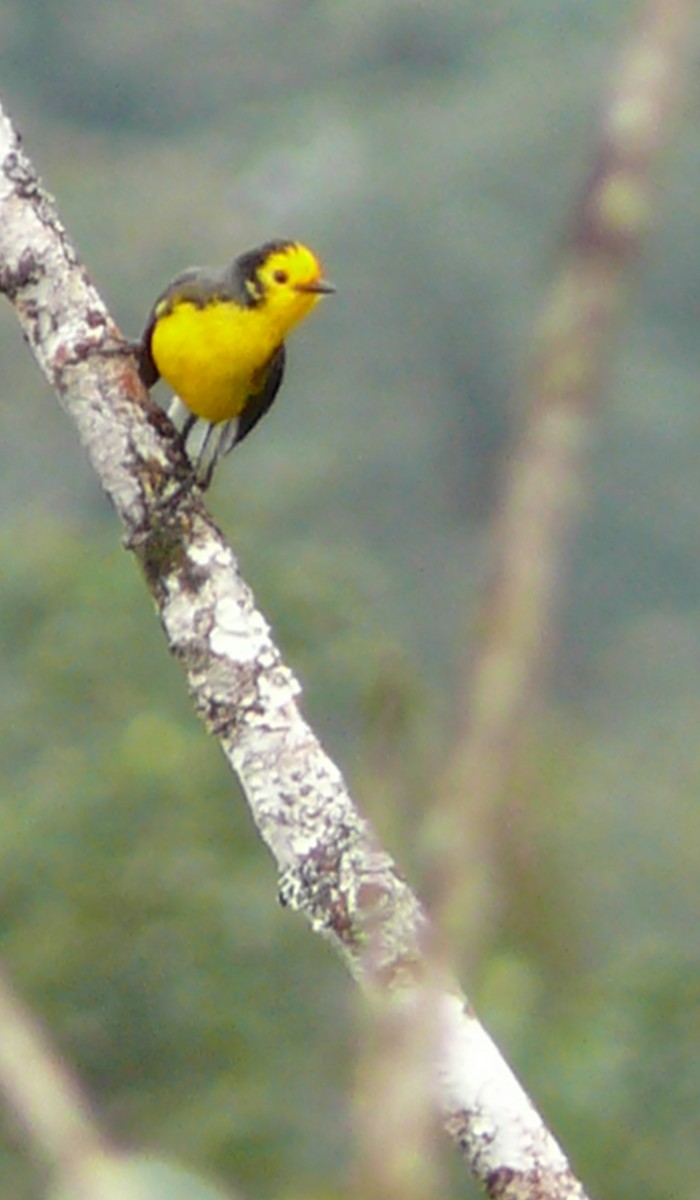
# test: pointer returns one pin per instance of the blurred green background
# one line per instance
(430, 152)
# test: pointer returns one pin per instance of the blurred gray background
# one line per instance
(430, 153)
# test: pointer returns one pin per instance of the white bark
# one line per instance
(331, 866)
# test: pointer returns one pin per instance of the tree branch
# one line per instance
(331, 866)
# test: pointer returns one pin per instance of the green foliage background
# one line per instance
(430, 152)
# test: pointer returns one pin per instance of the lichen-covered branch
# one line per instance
(331, 866)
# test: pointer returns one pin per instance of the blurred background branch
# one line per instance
(46, 1101)
(545, 480)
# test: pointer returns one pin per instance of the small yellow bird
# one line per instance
(217, 338)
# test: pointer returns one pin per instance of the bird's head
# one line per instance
(286, 278)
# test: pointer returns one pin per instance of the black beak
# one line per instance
(320, 287)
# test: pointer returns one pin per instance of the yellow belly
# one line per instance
(214, 358)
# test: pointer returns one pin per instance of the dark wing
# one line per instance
(197, 285)
(147, 368)
(259, 402)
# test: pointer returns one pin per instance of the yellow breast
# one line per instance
(215, 357)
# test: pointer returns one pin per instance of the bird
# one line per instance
(217, 338)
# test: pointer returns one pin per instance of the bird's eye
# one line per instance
(281, 276)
